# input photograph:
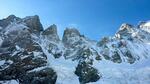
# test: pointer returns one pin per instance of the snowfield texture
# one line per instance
(122, 59)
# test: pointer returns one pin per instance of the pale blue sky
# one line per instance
(94, 18)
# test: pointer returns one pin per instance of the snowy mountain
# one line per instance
(31, 55)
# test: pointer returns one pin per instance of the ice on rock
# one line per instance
(9, 82)
(2, 62)
(1, 41)
(15, 27)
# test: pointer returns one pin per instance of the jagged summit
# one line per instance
(70, 32)
(51, 33)
(125, 26)
(70, 36)
(145, 26)
(33, 22)
(50, 30)
(10, 19)
(125, 30)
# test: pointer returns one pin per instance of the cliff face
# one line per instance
(32, 55)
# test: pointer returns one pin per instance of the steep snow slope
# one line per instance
(64, 68)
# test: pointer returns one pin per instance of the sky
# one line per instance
(93, 18)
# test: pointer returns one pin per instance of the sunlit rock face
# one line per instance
(51, 33)
(33, 22)
(70, 36)
(32, 55)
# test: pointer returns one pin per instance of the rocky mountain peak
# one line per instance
(125, 30)
(71, 32)
(10, 19)
(70, 36)
(126, 26)
(51, 33)
(33, 22)
(52, 30)
(43, 58)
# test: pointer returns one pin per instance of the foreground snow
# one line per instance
(138, 73)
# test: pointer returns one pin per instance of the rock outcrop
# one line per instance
(51, 33)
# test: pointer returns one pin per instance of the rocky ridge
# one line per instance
(28, 53)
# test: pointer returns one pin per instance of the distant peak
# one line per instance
(10, 19)
(145, 26)
(125, 30)
(126, 26)
(11, 16)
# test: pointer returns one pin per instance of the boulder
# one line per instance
(44, 76)
(87, 73)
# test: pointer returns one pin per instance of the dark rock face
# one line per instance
(52, 30)
(130, 59)
(116, 57)
(33, 23)
(21, 54)
(69, 34)
(23, 61)
(87, 73)
(51, 33)
(44, 76)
